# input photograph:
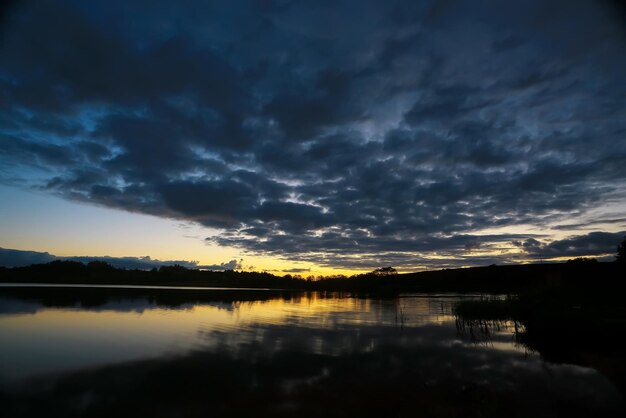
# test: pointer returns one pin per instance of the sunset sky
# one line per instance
(312, 137)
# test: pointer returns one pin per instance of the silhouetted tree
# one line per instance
(385, 271)
(582, 260)
(621, 252)
(100, 265)
(176, 268)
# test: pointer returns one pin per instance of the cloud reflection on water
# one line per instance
(285, 356)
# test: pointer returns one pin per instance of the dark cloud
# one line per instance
(28, 152)
(320, 131)
(229, 265)
(212, 202)
(297, 270)
(507, 43)
(591, 223)
(19, 258)
(15, 258)
(591, 244)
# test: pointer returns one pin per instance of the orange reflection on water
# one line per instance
(52, 339)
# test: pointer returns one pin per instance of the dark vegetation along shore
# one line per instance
(491, 279)
(578, 319)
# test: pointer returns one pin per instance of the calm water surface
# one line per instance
(155, 352)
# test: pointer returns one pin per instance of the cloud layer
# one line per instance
(20, 258)
(319, 131)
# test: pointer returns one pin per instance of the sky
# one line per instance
(312, 137)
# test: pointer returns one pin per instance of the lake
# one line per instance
(78, 351)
